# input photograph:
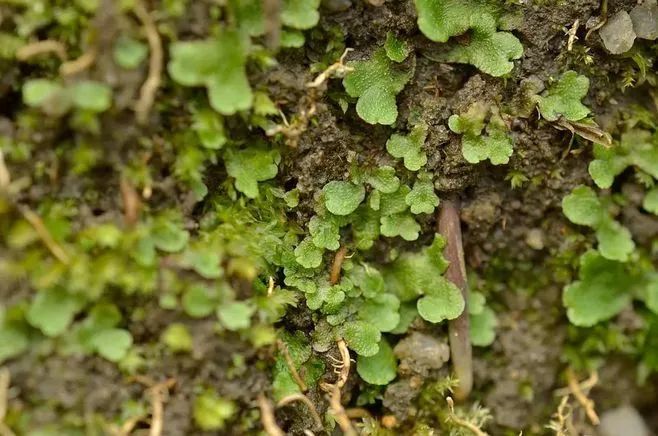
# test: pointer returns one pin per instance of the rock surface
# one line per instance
(618, 34)
(645, 20)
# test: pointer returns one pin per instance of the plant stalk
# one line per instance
(459, 330)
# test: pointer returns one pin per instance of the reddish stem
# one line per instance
(459, 330)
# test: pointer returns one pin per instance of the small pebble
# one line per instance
(618, 34)
(535, 239)
(623, 421)
(645, 20)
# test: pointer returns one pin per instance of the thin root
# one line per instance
(337, 69)
(44, 234)
(462, 422)
(586, 403)
(156, 60)
(42, 47)
(267, 417)
(304, 399)
(158, 395)
(291, 366)
(338, 411)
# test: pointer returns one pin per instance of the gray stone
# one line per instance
(645, 20)
(624, 420)
(420, 353)
(618, 34)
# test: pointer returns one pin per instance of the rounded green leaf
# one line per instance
(444, 302)
(112, 344)
(91, 96)
(379, 369)
(361, 337)
(342, 198)
(52, 311)
(583, 207)
(235, 315)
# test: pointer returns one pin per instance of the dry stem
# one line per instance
(462, 422)
(80, 64)
(304, 399)
(460, 340)
(131, 203)
(42, 47)
(158, 394)
(156, 60)
(336, 267)
(585, 402)
(335, 403)
(291, 366)
(267, 417)
(44, 234)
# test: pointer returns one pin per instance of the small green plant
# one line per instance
(57, 99)
(380, 369)
(376, 82)
(637, 148)
(583, 207)
(483, 320)
(250, 166)
(219, 65)
(488, 50)
(409, 147)
(495, 146)
(562, 99)
(212, 411)
(342, 198)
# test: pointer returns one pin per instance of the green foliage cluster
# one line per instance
(487, 49)
(585, 208)
(637, 148)
(562, 98)
(495, 146)
(376, 82)
(617, 273)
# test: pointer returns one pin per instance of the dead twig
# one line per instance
(80, 64)
(572, 34)
(291, 365)
(267, 417)
(462, 422)
(585, 386)
(560, 423)
(337, 265)
(44, 234)
(459, 330)
(156, 60)
(586, 403)
(304, 399)
(37, 48)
